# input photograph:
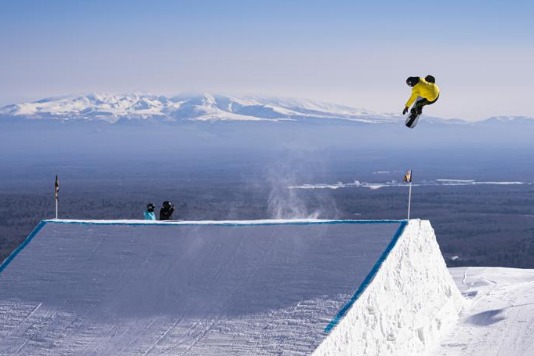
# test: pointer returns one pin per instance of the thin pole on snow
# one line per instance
(408, 179)
(56, 195)
(409, 199)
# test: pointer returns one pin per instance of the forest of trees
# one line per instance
(475, 226)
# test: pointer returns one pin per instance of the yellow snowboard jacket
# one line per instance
(424, 89)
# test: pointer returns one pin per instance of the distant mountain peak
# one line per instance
(186, 107)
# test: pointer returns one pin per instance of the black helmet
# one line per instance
(150, 207)
(411, 81)
(430, 78)
(167, 204)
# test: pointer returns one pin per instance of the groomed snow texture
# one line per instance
(186, 288)
(410, 305)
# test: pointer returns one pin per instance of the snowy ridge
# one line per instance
(508, 119)
(206, 107)
(400, 184)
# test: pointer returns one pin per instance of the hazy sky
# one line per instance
(350, 52)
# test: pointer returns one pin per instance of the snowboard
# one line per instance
(412, 119)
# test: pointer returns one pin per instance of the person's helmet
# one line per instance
(167, 204)
(150, 207)
(430, 78)
(411, 81)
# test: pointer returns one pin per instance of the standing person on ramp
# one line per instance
(149, 212)
(165, 213)
(424, 92)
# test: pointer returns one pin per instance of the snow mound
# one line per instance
(410, 304)
(219, 288)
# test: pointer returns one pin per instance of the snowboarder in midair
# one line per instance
(424, 92)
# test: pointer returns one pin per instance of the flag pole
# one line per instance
(408, 177)
(56, 195)
(409, 199)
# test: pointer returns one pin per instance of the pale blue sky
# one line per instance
(357, 53)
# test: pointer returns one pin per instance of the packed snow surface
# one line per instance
(183, 288)
(411, 302)
(227, 288)
(498, 317)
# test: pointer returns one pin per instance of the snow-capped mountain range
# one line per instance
(204, 107)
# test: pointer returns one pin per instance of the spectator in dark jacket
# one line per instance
(166, 211)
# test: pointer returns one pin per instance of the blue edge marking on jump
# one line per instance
(342, 312)
(25, 243)
(367, 281)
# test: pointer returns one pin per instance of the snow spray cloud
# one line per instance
(286, 203)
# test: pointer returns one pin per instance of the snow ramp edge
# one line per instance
(410, 302)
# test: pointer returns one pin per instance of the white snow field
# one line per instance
(269, 287)
(498, 318)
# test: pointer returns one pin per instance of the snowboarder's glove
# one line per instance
(405, 110)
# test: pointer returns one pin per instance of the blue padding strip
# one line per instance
(28, 239)
(214, 223)
(368, 280)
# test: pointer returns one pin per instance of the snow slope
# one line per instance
(411, 302)
(186, 288)
(205, 107)
(218, 288)
(498, 317)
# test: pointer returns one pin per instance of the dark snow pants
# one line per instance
(419, 103)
